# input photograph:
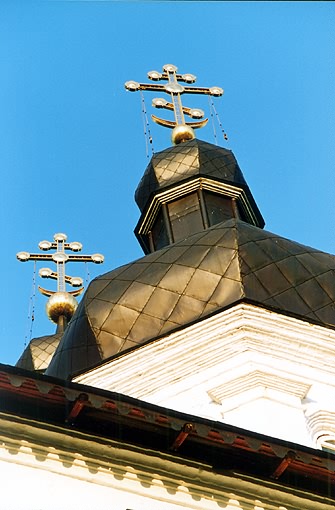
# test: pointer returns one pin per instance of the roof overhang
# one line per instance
(77, 409)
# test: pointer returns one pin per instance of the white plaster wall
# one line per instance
(29, 483)
(246, 366)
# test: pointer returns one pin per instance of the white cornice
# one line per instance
(242, 334)
(131, 474)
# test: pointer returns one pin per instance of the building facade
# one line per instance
(198, 376)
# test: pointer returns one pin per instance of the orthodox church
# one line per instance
(200, 375)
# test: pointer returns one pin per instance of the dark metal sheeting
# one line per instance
(38, 353)
(193, 279)
(189, 159)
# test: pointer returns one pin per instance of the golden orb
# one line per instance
(61, 303)
(182, 133)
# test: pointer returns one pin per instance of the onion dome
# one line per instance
(38, 353)
(181, 162)
(188, 188)
(61, 304)
(187, 281)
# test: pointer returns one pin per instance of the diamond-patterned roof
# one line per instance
(38, 353)
(186, 160)
(190, 280)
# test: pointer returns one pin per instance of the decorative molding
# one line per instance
(240, 334)
(135, 478)
(147, 219)
(321, 423)
(258, 379)
(245, 365)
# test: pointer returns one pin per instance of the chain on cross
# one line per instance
(182, 131)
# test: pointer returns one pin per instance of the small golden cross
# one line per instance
(60, 257)
(174, 88)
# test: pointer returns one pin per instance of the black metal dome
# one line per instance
(190, 280)
(187, 160)
(38, 353)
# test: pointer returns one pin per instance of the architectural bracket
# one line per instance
(182, 436)
(286, 461)
(78, 405)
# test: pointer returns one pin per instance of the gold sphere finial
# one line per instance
(61, 304)
(182, 133)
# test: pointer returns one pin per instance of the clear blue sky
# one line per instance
(72, 149)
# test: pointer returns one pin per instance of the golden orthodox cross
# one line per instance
(182, 130)
(60, 257)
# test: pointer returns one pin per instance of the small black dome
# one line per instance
(38, 353)
(189, 159)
